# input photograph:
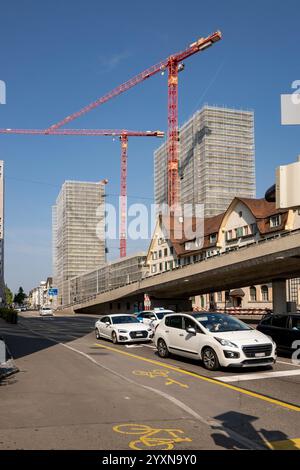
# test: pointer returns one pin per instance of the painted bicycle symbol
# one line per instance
(159, 373)
(162, 439)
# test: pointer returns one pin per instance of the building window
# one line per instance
(110, 306)
(160, 266)
(160, 254)
(154, 255)
(275, 221)
(265, 293)
(202, 301)
(119, 306)
(171, 250)
(188, 246)
(246, 230)
(166, 266)
(219, 296)
(239, 232)
(241, 214)
(128, 305)
(213, 238)
(253, 296)
(229, 235)
(166, 252)
(153, 268)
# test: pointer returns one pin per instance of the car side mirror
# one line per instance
(191, 330)
(107, 323)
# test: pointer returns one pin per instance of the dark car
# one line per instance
(283, 329)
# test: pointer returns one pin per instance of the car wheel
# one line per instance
(210, 359)
(97, 333)
(114, 337)
(162, 348)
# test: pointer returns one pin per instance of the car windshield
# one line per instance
(160, 315)
(124, 319)
(220, 322)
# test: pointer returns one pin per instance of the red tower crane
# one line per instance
(173, 65)
(123, 134)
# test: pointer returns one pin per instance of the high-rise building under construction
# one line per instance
(216, 159)
(78, 233)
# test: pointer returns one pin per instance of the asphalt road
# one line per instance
(76, 392)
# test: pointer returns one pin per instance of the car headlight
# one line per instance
(122, 331)
(225, 342)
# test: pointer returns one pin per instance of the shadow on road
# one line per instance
(28, 336)
(242, 424)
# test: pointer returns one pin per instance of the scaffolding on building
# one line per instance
(216, 159)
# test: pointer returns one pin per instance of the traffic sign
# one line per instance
(53, 291)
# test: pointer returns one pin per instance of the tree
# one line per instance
(20, 296)
(9, 296)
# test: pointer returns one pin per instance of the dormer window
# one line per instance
(275, 221)
(239, 232)
(213, 238)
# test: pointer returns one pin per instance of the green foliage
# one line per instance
(9, 296)
(9, 314)
(20, 296)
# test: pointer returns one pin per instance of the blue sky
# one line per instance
(58, 56)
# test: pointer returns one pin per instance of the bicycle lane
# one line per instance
(206, 433)
(261, 419)
(67, 400)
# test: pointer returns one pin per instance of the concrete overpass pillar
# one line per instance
(279, 296)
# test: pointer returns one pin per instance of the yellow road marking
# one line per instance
(287, 444)
(152, 437)
(152, 374)
(206, 379)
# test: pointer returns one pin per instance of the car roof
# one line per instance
(193, 313)
(118, 315)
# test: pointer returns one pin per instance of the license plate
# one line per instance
(139, 334)
(260, 354)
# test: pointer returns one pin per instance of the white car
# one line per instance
(218, 340)
(46, 311)
(153, 317)
(122, 328)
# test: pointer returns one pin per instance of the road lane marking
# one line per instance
(289, 363)
(287, 444)
(258, 376)
(152, 437)
(274, 401)
(152, 374)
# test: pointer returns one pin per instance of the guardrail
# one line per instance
(237, 248)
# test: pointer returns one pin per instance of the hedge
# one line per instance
(9, 314)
